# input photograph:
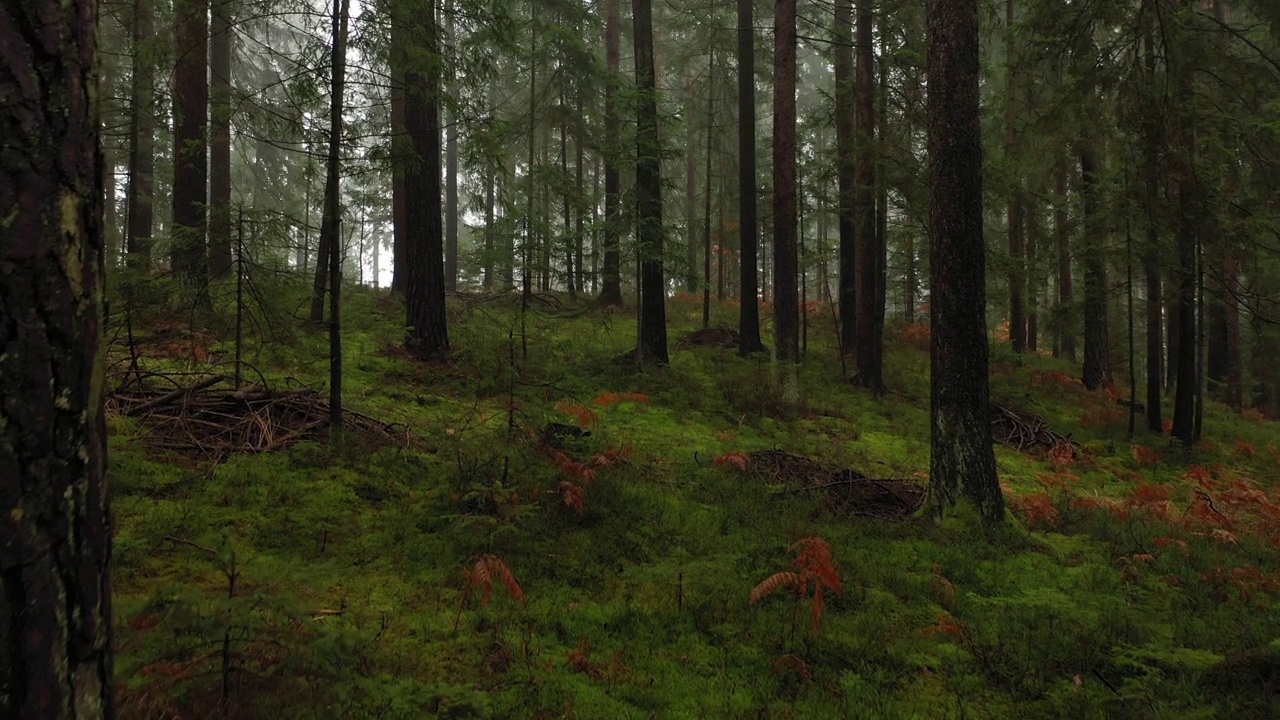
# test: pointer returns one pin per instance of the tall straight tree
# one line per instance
(220, 139)
(451, 168)
(691, 184)
(140, 188)
(191, 143)
(867, 250)
(1066, 336)
(649, 230)
(1152, 140)
(55, 540)
(428, 335)
(1097, 372)
(1017, 321)
(332, 216)
(611, 286)
(748, 308)
(846, 173)
(962, 460)
(786, 300)
(400, 154)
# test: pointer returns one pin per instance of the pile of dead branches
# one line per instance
(844, 491)
(718, 337)
(1025, 431)
(205, 417)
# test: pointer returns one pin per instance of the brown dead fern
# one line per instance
(482, 575)
(813, 571)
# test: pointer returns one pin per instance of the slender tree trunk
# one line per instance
(190, 143)
(846, 172)
(579, 230)
(649, 231)
(401, 149)
(220, 139)
(611, 288)
(690, 187)
(1035, 235)
(867, 252)
(333, 213)
(490, 179)
(962, 460)
(786, 317)
(141, 141)
(451, 163)
(55, 540)
(1235, 355)
(748, 307)
(1097, 372)
(706, 199)
(1066, 300)
(1017, 321)
(428, 335)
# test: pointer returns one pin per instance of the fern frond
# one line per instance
(786, 578)
(498, 568)
(816, 612)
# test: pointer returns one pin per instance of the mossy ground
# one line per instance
(332, 579)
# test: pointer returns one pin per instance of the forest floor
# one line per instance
(467, 549)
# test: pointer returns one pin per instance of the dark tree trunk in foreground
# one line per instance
(1151, 249)
(867, 247)
(141, 186)
(962, 460)
(428, 336)
(55, 541)
(846, 171)
(786, 314)
(649, 231)
(220, 140)
(1097, 371)
(611, 286)
(1184, 397)
(749, 307)
(190, 143)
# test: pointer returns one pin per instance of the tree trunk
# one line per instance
(579, 230)
(962, 459)
(333, 213)
(1017, 321)
(428, 335)
(401, 148)
(690, 188)
(1097, 372)
(141, 142)
(649, 230)
(786, 317)
(190, 143)
(867, 252)
(611, 287)
(55, 541)
(846, 172)
(451, 169)
(1066, 300)
(1035, 235)
(706, 200)
(748, 307)
(220, 140)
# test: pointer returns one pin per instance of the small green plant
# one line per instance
(813, 571)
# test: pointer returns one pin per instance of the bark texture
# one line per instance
(611, 285)
(55, 541)
(962, 460)
(786, 315)
(428, 335)
(649, 231)
(191, 142)
(748, 309)
(846, 171)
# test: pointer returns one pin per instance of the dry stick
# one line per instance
(178, 393)
(184, 541)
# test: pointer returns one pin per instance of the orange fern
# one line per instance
(584, 416)
(813, 567)
(606, 398)
(482, 575)
(736, 458)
